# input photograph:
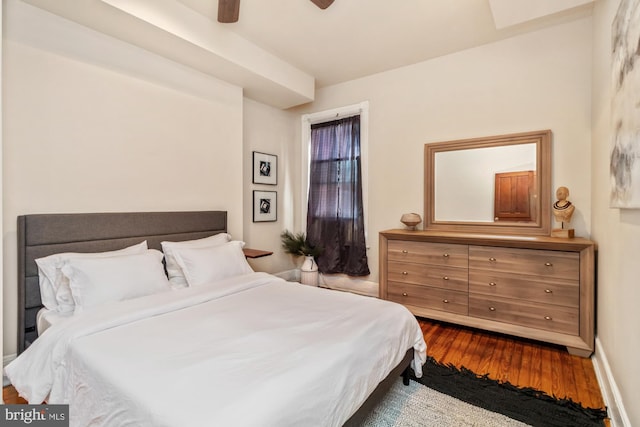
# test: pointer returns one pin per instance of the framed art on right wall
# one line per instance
(625, 107)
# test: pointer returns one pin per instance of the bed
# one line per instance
(247, 348)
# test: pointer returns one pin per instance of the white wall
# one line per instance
(84, 138)
(272, 131)
(617, 232)
(540, 80)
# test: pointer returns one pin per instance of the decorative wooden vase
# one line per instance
(411, 220)
(309, 271)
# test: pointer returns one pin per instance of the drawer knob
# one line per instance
(492, 309)
(547, 318)
(404, 273)
(445, 278)
(492, 283)
(404, 294)
(404, 251)
(492, 259)
(548, 264)
(446, 301)
(548, 291)
(445, 255)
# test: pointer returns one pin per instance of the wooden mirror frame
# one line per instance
(542, 224)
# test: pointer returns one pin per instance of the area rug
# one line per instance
(418, 406)
(448, 396)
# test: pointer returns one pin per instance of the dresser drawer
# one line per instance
(430, 275)
(427, 297)
(429, 253)
(534, 315)
(509, 285)
(546, 264)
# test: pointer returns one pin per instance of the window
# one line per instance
(335, 208)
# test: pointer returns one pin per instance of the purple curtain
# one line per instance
(335, 220)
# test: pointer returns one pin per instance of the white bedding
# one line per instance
(251, 350)
(45, 318)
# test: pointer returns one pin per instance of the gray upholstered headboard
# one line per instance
(45, 234)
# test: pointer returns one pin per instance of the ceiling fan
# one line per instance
(229, 10)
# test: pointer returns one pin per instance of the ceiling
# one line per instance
(281, 51)
(355, 38)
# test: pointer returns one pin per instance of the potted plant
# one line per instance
(297, 244)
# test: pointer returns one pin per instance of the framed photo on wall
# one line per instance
(265, 206)
(265, 168)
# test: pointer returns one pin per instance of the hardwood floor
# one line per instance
(521, 362)
(10, 396)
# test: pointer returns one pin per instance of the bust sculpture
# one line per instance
(562, 211)
(563, 208)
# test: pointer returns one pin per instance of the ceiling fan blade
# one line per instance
(322, 4)
(228, 11)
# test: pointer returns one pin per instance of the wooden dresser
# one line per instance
(540, 288)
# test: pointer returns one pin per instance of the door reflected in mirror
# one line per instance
(515, 196)
(497, 184)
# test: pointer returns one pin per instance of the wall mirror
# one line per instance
(498, 184)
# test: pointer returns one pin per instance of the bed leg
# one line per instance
(406, 376)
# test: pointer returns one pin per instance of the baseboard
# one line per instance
(289, 275)
(609, 388)
(355, 285)
(340, 282)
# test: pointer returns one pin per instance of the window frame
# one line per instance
(307, 120)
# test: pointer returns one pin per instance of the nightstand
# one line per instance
(255, 253)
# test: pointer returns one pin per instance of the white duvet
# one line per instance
(252, 350)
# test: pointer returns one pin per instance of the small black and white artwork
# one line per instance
(265, 206)
(265, 168)
(625, 106)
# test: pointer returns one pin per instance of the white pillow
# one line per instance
(176, 276)
(206, 265)
(97, 281)
(54, 286)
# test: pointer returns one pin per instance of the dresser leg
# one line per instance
(579, 352)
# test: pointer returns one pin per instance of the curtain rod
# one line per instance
(340, 112)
